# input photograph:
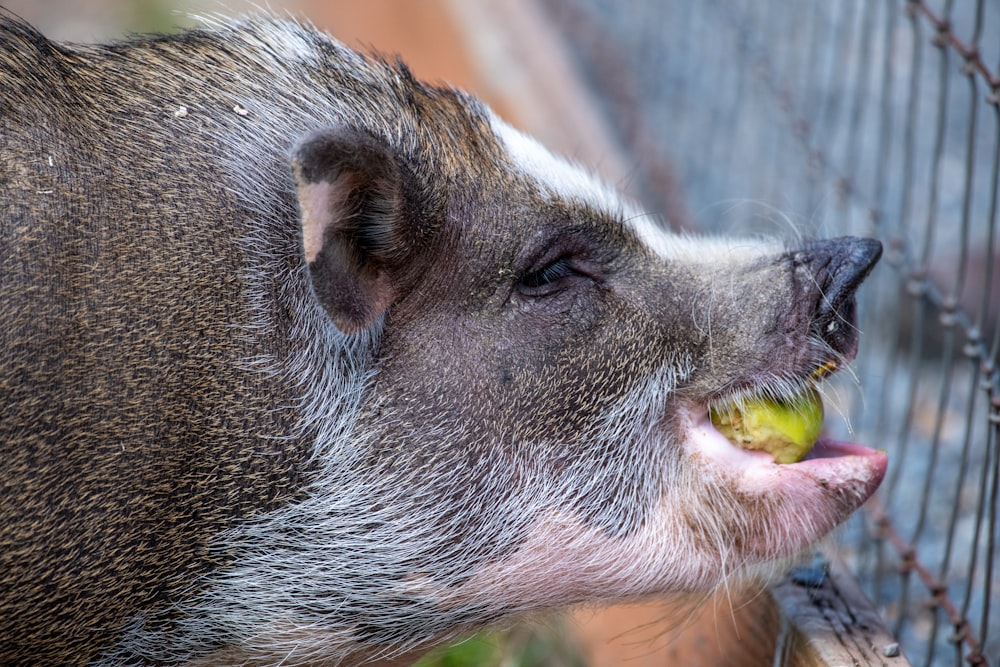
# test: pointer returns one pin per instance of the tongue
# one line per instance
(826, 449)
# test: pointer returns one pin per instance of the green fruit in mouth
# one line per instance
(787, 429)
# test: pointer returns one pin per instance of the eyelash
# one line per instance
(548, 275)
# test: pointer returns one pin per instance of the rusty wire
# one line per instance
(913, 264)
(885, 118)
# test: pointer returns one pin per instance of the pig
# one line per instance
(305, 361)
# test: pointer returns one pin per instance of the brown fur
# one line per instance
(303, 360)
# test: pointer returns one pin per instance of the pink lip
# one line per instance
(810, 498)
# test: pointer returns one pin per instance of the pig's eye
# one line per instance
(548, 279)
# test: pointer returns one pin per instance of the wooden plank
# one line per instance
(829, 620)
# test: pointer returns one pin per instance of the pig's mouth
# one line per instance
(708, 441)
(773, 434)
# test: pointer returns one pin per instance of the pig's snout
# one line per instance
(838, 267)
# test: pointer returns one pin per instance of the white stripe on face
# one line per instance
(563, 179)
(556, 176)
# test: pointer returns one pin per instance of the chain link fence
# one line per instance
(870, 117)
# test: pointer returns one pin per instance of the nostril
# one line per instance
(836, 325)
(838, 267)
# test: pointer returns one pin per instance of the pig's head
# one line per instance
(506, 372)
(533, 429)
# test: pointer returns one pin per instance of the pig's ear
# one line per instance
(350, 193)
